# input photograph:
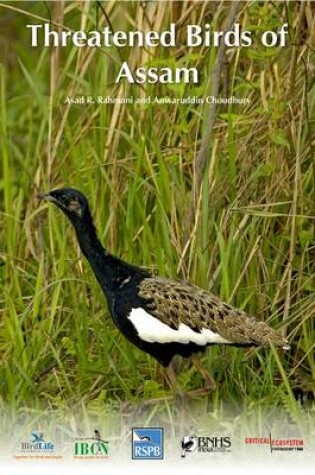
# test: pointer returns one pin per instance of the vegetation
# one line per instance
(245, 231)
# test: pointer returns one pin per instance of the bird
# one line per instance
(143, 438)
(189, 444)
(37, 437)
(161, 316)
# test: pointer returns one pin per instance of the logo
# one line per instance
(280, 444)
(205, 444)
(148, 443)
(91, 447)
(36, 448)
(189, 444)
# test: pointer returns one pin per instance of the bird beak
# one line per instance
(46, 197)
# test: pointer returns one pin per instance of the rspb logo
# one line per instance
(147, 443)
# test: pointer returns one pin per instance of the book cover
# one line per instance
(163, 317)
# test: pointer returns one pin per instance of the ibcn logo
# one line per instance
(91, 447)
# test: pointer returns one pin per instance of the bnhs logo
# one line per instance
(205, 444)
(147, 443)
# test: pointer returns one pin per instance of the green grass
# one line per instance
(250, 240)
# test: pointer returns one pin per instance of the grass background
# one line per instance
(250, 237)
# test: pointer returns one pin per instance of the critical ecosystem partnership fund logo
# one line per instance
(205, 444)
(86, 448)
(36, 447)
(147, 443)
(284, 444)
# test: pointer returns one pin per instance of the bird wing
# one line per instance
(175, 302)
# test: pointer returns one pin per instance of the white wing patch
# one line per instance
(152, 330)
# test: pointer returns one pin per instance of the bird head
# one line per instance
(71, 202)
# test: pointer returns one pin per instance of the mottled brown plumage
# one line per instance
(174, 302)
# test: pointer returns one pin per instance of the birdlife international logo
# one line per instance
(94, 447)
(36, 447)
(205, 444)
(148, 443)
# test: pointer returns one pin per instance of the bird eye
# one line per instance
(75, 206)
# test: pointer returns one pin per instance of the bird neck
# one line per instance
(107, 268)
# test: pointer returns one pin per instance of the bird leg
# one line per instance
(180, 398)
(171, 379)
(210, 382)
